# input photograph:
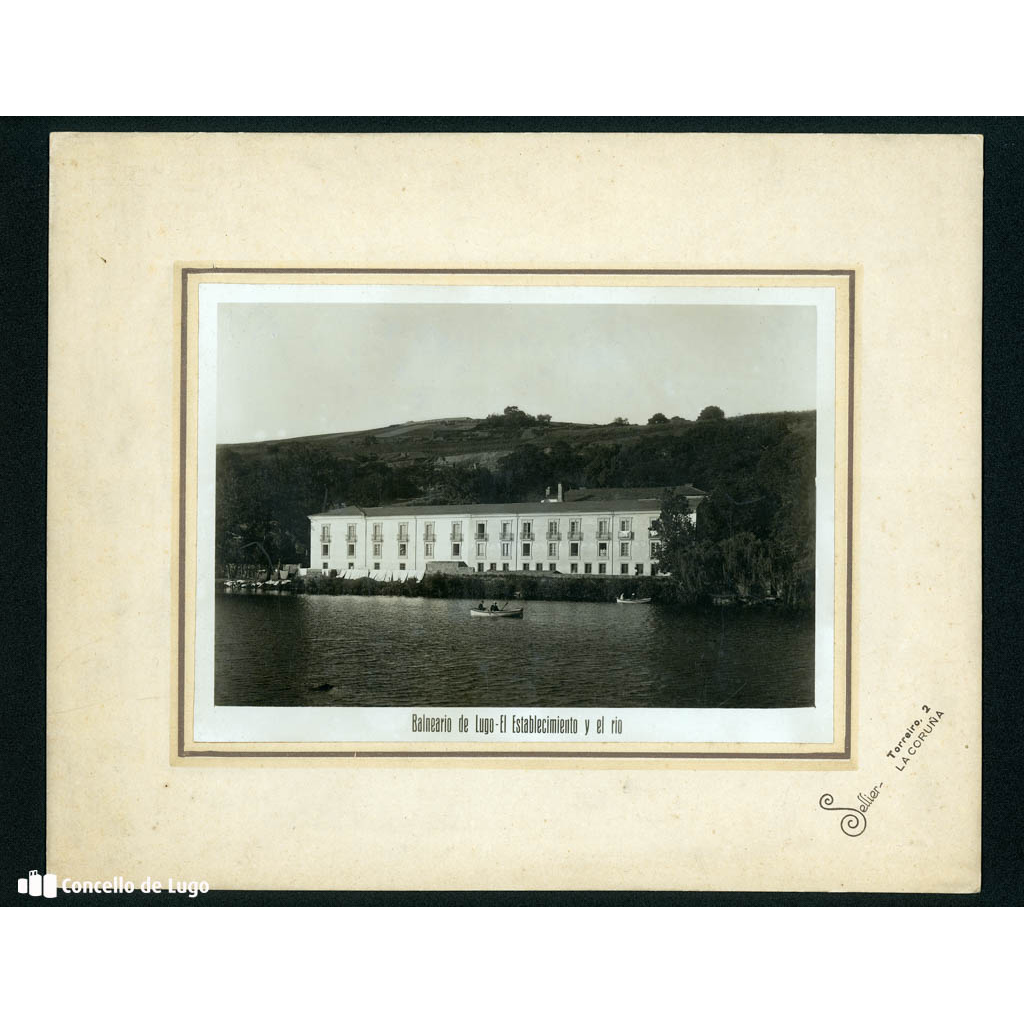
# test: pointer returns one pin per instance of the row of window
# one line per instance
(376, 565)
(602, 567)
(588, 568)
(525, 531)
(325, 534)
(481, 549)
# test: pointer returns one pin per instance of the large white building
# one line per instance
(590, 532)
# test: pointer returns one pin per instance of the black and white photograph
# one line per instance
(525, 498)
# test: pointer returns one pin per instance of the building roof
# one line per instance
(538, 508)
(631, 493)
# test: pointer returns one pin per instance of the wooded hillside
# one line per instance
(759, 471)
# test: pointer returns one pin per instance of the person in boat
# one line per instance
(480, 607)
(494, 607)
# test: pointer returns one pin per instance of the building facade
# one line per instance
(599, 536)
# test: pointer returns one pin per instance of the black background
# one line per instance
(23, 330)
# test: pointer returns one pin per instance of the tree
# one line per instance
(675, 527)
(658, 417)
(746, 564)
(620, 421)
(711, 412)
(694, 564)
(510, 419)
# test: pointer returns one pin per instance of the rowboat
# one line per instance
(516, 613)
(622, 599)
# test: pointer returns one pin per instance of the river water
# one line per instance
(319, 650)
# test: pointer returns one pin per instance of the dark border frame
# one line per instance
(23, 316)
(506, 755)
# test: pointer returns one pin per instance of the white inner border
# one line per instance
(393, 724)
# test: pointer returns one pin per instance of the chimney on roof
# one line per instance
(559, 492)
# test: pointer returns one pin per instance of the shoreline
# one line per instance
(520, 587)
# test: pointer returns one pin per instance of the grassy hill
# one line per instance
(406, 444)
(467, 440)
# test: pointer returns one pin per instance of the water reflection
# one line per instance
(324, 650)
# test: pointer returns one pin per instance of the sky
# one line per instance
(290, 370)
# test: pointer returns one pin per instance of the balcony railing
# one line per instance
(554, 535)
(625, 534)
(604, 534)
(456, 537)
(481, 536)
(575, 535)
(429, 538)
(506, 535)
(403, 538)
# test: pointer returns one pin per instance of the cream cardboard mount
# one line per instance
(886, 798)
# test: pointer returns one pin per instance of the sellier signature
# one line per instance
(854, 820)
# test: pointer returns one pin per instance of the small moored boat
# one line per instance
(622, 599)
(510, 613)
